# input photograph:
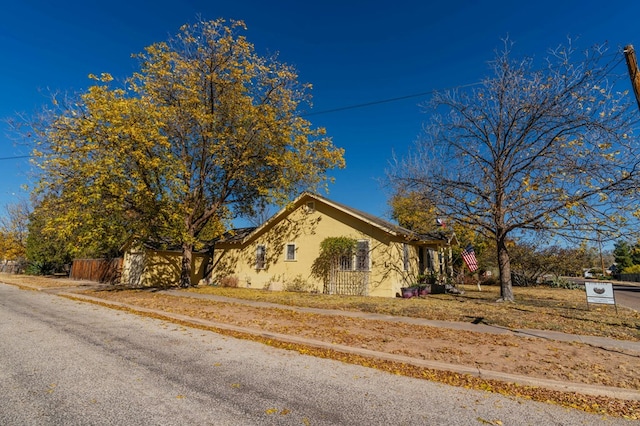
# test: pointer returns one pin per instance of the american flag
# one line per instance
(469, 257)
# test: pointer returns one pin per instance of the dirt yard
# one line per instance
(533, 357)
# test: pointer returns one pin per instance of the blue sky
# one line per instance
(353, 52)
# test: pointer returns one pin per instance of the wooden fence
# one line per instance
(629, 277)
(12, 267)
(100, 270)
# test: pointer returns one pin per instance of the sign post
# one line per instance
(600, 293)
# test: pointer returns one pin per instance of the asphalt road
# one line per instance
(627, 295)
(69, 363)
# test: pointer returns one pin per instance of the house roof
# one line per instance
(383, 224)
(236, 235)
(240, 235)
(160, 244)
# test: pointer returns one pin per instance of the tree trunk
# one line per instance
(504, 266)
(185, 271)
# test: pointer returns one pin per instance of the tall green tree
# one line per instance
(66, 228)
(46, 251)
(206, 130)
(537, 147)
(635, 253)
(622, 253)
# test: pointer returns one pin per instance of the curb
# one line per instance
(593, 390)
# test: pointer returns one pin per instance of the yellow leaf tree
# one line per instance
(13, 231)
(412, 211)
(541, 149)
(203, 132)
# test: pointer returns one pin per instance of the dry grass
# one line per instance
(40, 281)
(539, 308)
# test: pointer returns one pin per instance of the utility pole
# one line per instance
(604, 274)
(634, 73)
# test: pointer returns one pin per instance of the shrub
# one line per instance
(562, 283)
(633, 269)
(489, 281)
(40, 268)
(298, 284)
(229, 281)
(522, 280)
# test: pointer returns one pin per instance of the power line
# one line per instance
(339, 109)
(399, 98)
(384, 101)
(17, 157)
(371, 103)
(418, 95)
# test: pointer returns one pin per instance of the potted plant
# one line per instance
(438, 288)
(407, 292)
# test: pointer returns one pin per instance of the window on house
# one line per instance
(405, 257)
(429, 257)
(290, 253)
(362, 256)
(261, 256)
(346, 262)
(311, 206)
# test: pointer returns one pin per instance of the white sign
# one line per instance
(598, 292)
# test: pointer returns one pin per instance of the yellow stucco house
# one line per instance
(280, 253)
(158, 265)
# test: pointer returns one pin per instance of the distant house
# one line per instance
(280, 253)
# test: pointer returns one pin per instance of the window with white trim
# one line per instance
(261, 256)
(357, 261)
(290, 252)
(311, 206)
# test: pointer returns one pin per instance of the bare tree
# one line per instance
(14, 229)
(547, 149)
(261, 213)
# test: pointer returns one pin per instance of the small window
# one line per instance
(362, 256)
(290, 253)
(405, 257)
(261, 256)
(311, 206)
